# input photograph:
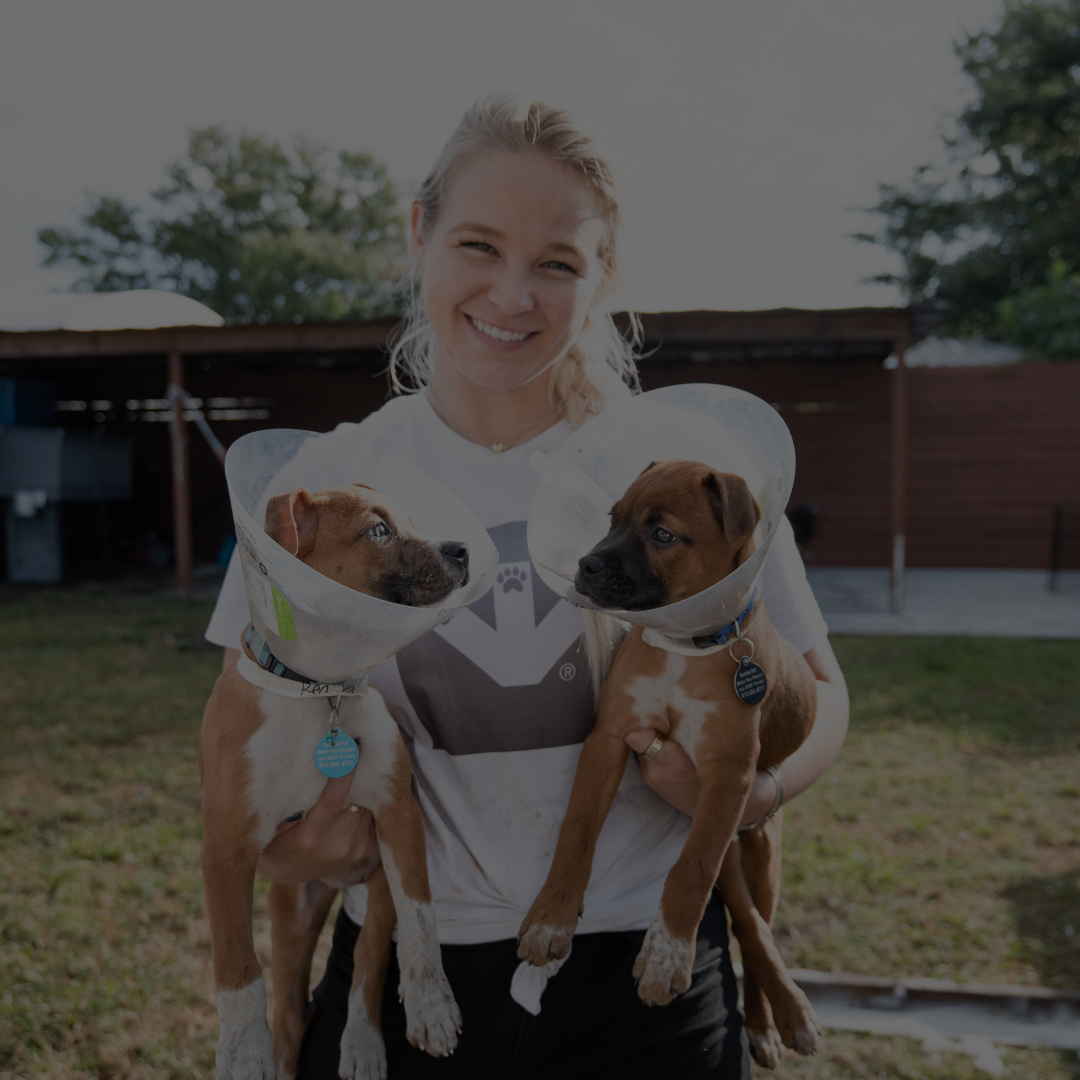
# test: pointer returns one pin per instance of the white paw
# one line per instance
(542, 943)
(797, 1022)
(766, 1048)
(363, 1053)
(244, 1050)
(432, 1017)
(664, 965)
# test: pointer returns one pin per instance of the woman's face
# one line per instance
(510, 269)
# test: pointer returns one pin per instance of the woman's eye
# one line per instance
(662, 536)
(555, 265)
(479, 245)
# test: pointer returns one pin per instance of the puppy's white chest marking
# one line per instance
(661, 697)
(284, 779)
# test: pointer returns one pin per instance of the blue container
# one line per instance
(26, 401)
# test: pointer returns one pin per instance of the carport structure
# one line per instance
(822, 369)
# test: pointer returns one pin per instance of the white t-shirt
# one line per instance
(495, 704)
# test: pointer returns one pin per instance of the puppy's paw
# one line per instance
(244, 1050)
(766, 1047)
(797, 1022)
(548, 929)
(542, 943)
(664, 965)
(363, 1054)
(432, 1017)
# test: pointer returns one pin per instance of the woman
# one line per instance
(509, 346)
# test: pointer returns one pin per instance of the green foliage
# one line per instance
(253, 231)
(1045, 319)
(990, 223)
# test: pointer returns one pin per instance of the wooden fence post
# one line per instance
(898, 501)
(181, 473)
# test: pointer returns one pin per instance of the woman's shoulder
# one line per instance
(390, 420)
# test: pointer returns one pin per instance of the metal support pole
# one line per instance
(898, 501)
(181, 474)
(1057, 529)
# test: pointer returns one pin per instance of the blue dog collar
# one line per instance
(707, 641)
(266, 660)
(702, 644)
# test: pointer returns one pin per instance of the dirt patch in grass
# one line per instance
(946, 841)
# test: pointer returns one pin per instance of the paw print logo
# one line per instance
(513, 579)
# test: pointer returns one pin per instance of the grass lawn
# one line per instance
(945, 843)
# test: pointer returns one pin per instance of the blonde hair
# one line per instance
(600, 367)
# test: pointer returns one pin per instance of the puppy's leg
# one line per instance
(384, 784)
(549, 926)
(765, 1042)
(753, 886)
(244, 1050)
(297, 916)
(363, 1053)
(665, 963)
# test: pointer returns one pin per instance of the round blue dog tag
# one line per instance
(336, 754)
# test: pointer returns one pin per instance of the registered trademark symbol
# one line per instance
(567, 672)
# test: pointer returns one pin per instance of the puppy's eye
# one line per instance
(662, 536)
(379, 532)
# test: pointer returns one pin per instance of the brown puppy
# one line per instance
(256, 760)
(680, 528)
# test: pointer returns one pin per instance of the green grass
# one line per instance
(934, 847)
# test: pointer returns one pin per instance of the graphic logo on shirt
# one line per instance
(519, 630)
(508, 673)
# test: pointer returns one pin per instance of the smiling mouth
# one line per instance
(497, 333)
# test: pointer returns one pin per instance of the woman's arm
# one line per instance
(671, 773)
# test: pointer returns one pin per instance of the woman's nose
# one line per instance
(511, 292)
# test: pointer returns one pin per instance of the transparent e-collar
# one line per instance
(312, 624)
(728, 429)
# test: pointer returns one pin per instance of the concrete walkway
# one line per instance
(997, 603)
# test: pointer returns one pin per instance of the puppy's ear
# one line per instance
(293, 521)
(651, 465)
(735, 508)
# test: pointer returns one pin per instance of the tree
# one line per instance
(254, 232)
(990, 224)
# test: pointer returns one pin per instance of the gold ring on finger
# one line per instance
(654, 748)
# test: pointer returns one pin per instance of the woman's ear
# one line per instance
(416, 235)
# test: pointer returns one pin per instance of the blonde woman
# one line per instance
(508, 348)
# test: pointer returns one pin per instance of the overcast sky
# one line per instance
(741, 133)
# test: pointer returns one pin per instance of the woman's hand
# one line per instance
(671, 774)
(328, 839)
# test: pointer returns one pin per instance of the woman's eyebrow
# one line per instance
(469, 226)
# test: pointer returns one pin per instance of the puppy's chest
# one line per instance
(281, 753)
(680, 698)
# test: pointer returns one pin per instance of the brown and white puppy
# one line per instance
(680, 528)
(256, 760)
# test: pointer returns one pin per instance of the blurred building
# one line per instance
(965, 461)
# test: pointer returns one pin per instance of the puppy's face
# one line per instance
(358, 538)
(679, 528)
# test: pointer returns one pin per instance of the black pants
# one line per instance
(592, 1025)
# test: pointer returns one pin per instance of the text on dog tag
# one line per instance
(336, 754)
(750, 682)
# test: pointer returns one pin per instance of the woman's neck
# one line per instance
(491, 418)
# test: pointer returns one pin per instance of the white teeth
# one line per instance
(496, 333)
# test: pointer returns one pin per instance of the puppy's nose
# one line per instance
(591, 564)
(455, 552)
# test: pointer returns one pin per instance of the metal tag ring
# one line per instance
(740, 659)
